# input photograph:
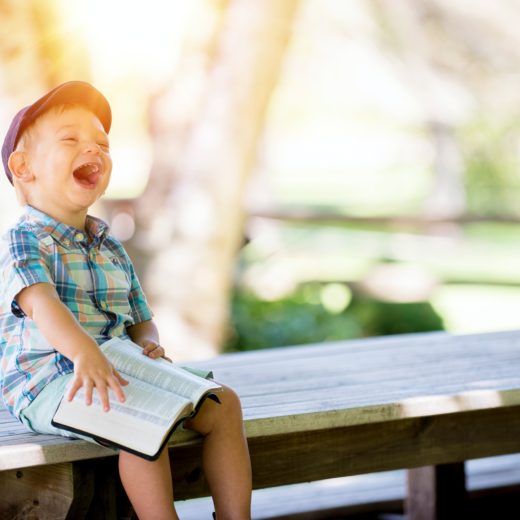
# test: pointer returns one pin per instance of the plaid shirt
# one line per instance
(93, 276)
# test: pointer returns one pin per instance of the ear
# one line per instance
(19, 168)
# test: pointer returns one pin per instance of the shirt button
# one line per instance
(66, 242)
(103, 305)
(79, 237)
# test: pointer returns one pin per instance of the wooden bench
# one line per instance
(493, 487)
(425, 401)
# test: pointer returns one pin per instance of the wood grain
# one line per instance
(353, 450)
(51, 492)
(437, 492)
(297, 389)
(335, 409)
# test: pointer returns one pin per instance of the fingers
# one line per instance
(153, 350)
(89, 388)
(115, 385)
(120, 378)
(103, 395)
(74, 387)
(102, 387)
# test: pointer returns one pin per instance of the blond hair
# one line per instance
(25, 141)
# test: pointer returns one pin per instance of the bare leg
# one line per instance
(225, 456)
(148, 486)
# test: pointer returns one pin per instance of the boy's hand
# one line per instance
(153, 350)
(145, 335)
(93, 370)
(41, 303)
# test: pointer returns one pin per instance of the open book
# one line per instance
(159, 397)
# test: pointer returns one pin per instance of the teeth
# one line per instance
(87, 169)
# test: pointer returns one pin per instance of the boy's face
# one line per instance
(68, 163)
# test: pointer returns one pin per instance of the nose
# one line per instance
(92, 148)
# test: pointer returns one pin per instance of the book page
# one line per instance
(140, 423)
(143, 402)
(129, 359)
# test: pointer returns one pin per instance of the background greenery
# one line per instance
(475, 272)
(296, 320)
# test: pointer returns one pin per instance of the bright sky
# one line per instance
(131, 38)
(134, 48)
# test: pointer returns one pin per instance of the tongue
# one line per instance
(87, 175)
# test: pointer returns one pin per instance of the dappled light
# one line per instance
(320, 202)
(439, 404)
(331, 160)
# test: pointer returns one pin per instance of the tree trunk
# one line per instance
(402, 22)
(194, 237)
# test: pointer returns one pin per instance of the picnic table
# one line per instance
(424, 402)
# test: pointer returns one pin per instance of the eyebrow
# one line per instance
(68, 127)
(65, 127)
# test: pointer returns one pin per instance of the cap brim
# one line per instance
(72, 92)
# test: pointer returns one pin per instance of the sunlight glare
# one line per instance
(134, 48)
(130, 37)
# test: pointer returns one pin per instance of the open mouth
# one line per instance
(87, 175)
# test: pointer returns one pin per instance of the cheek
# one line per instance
(107, 175)
(108, 164)
(106, 182)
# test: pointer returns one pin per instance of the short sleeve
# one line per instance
(139, 306)
(23, 264)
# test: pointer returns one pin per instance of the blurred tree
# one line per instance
(402, 24)
(461, 59)
(37, 49)
(491, 166)
(190, 220)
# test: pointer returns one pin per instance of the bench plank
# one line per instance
(372, 492)
(373, 447)
(52, 491)
(376, 380)
(343, 408)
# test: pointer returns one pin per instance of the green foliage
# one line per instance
(378, 318)
(490, 153)
(301, 318)
(292, 321)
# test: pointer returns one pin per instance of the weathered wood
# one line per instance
(56, 491)
(437, 492)
(353, 450)
(107, 490)
(337, 409)
(493, 480)
(349, 383)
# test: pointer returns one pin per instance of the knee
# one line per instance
(213, 416)
(230, 401)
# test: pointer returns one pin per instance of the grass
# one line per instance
(476, 267)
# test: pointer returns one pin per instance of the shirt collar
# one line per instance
(95, 229)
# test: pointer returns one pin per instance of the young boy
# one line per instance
(67, 286)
